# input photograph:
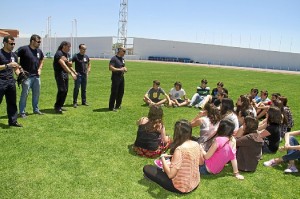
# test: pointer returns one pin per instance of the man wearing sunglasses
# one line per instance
(9, 65)
(83, 68)
(31, 60)
(117, 67)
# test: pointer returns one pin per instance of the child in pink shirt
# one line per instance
(222, 150)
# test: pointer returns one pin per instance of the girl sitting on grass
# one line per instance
(293, 152)
(270, 130)
(151, 139)
(249, 145)
(182, 175)
(222, 150)
(208, 120)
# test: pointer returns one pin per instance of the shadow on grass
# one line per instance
(101, 110)
(4, 126)
(155, 191)
(49, 111)
(3, 117)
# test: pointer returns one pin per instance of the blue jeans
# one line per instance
(292, 154)
(203, 170)
(196, 99)
(80, 81)
(33, 83)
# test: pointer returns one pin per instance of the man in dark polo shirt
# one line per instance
(62, 67)
(9, 64)
(83, 68)
(117, 67)
(31, 60)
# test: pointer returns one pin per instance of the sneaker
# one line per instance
(270, 163)
(38, 112)
(63, 109)
(23, 115)
(291, 169)
(75, 105)
(190, 105)
(85, 104)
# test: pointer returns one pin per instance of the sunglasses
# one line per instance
(12, 44)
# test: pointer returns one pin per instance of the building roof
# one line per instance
(5, 32)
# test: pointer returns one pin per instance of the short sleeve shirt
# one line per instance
(117, 62)
(203, 91)
(273, 140)
(81, 63)
(56, 65)
(176, 94)
(154, 94)
(30, 59)
(6, 58)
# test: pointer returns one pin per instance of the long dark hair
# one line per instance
(213, 113)
(62, 44)
(251, 124)
(182, 133)
(226, 106)
(155, 117)
(245, 100)
(226, 128)
(274, 115)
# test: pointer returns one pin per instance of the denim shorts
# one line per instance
(203, 170)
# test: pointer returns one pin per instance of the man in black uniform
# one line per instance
(83, 68)
(9, 64)
(62, 67)
(31, 60)
(117, 67)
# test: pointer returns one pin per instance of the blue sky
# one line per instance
(260, 24)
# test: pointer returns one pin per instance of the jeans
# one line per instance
(80, 81)
(196, 99)
(33, 83)
(292, 154)
(203, 170)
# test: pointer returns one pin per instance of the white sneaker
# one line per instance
(291, 169)
(270, 163)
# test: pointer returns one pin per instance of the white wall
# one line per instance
(96, 46)
(214, 54)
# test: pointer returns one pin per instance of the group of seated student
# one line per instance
(226, 134)
(177, 95)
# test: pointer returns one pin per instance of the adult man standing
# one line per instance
(8, 64)
(31, 60)
(117, 67)
(62, 67)
(83, 68)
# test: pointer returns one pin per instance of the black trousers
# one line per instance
(62, 82)
(117, 91)
(8, 89)
(157, 175)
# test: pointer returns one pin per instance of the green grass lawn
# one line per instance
(86, 152)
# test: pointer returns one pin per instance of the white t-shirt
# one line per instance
(176, 94)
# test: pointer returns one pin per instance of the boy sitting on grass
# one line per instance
(152, 96)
